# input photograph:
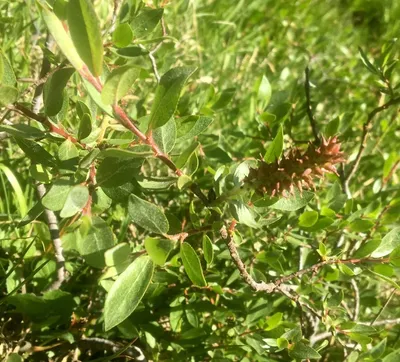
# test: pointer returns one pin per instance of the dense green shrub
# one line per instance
(199, 180)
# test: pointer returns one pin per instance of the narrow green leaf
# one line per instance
(76, 201)
(127, 291)
(275, 149)
(118, 83)
(389, 242)
(366, 62)
(192, 126)
(8, 75)
(53, 92)
(183, 181)
(146, 21)
(131, 51)
(86, 35)
(122, 35)
(141, 151)
(263, 94)
(167, 95)
(293, 202)
(192, 265)
(85, 126)
(208, 249)
(22, 131)
(147, 215)
(35, 152)
(61, 37)
(96, 96)
(186, 154)
(158, 249)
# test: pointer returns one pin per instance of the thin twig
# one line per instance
(310, 114)
(356, 299)
(366, 129)
(383, 307)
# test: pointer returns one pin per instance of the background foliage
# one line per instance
(170, 251)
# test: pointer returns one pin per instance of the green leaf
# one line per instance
(61, 37)
(22, 131)
(184, 181)
(165, 136)
(360, 338)
(67, 151)
(127, 291)
(302, 351)
(76, 201)
(98, 239)
(192, 265)
(8, 95)
(53, 92)
(141, 151)
(122, 35)
(186, 154)
(131, 52)
(167, 95)
(360, 225)
(36, 152)
(118, 83)
(117, 255)
(275, 149)
(392, 357)
(367, 63)
(395, 257)
(14, 357)
(208, 249)
(146, 21)
(96, 96)
(308, 218)
(293, 202)
(158, 249)
(263, 94)
(55, 198)
(86, 35)
(7, 76)
(191, 126)
(115, 171)
(242, 214)
(147, 215)
(389, 242)
(224, 99)
(85, 126)
(274, 321)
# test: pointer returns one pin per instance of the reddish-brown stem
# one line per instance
(45, 121)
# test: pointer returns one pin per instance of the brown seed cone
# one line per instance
(296, 170)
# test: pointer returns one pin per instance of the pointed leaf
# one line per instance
(275, 149)
(147, 215)
(293, 202)
(61, 37)
(208, 249)
(264, 94)
(167, 95)
(8, 95)
(86, 35)
(165, 136)
(127, 291)
(192, 265)
(389, 242)
(118, 83)
(35, 152)
(146, 21)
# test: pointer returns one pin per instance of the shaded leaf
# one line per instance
(192, 265)
(158, 249)
(146, 21)
(76, 201)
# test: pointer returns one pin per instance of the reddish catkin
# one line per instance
(296, 169)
